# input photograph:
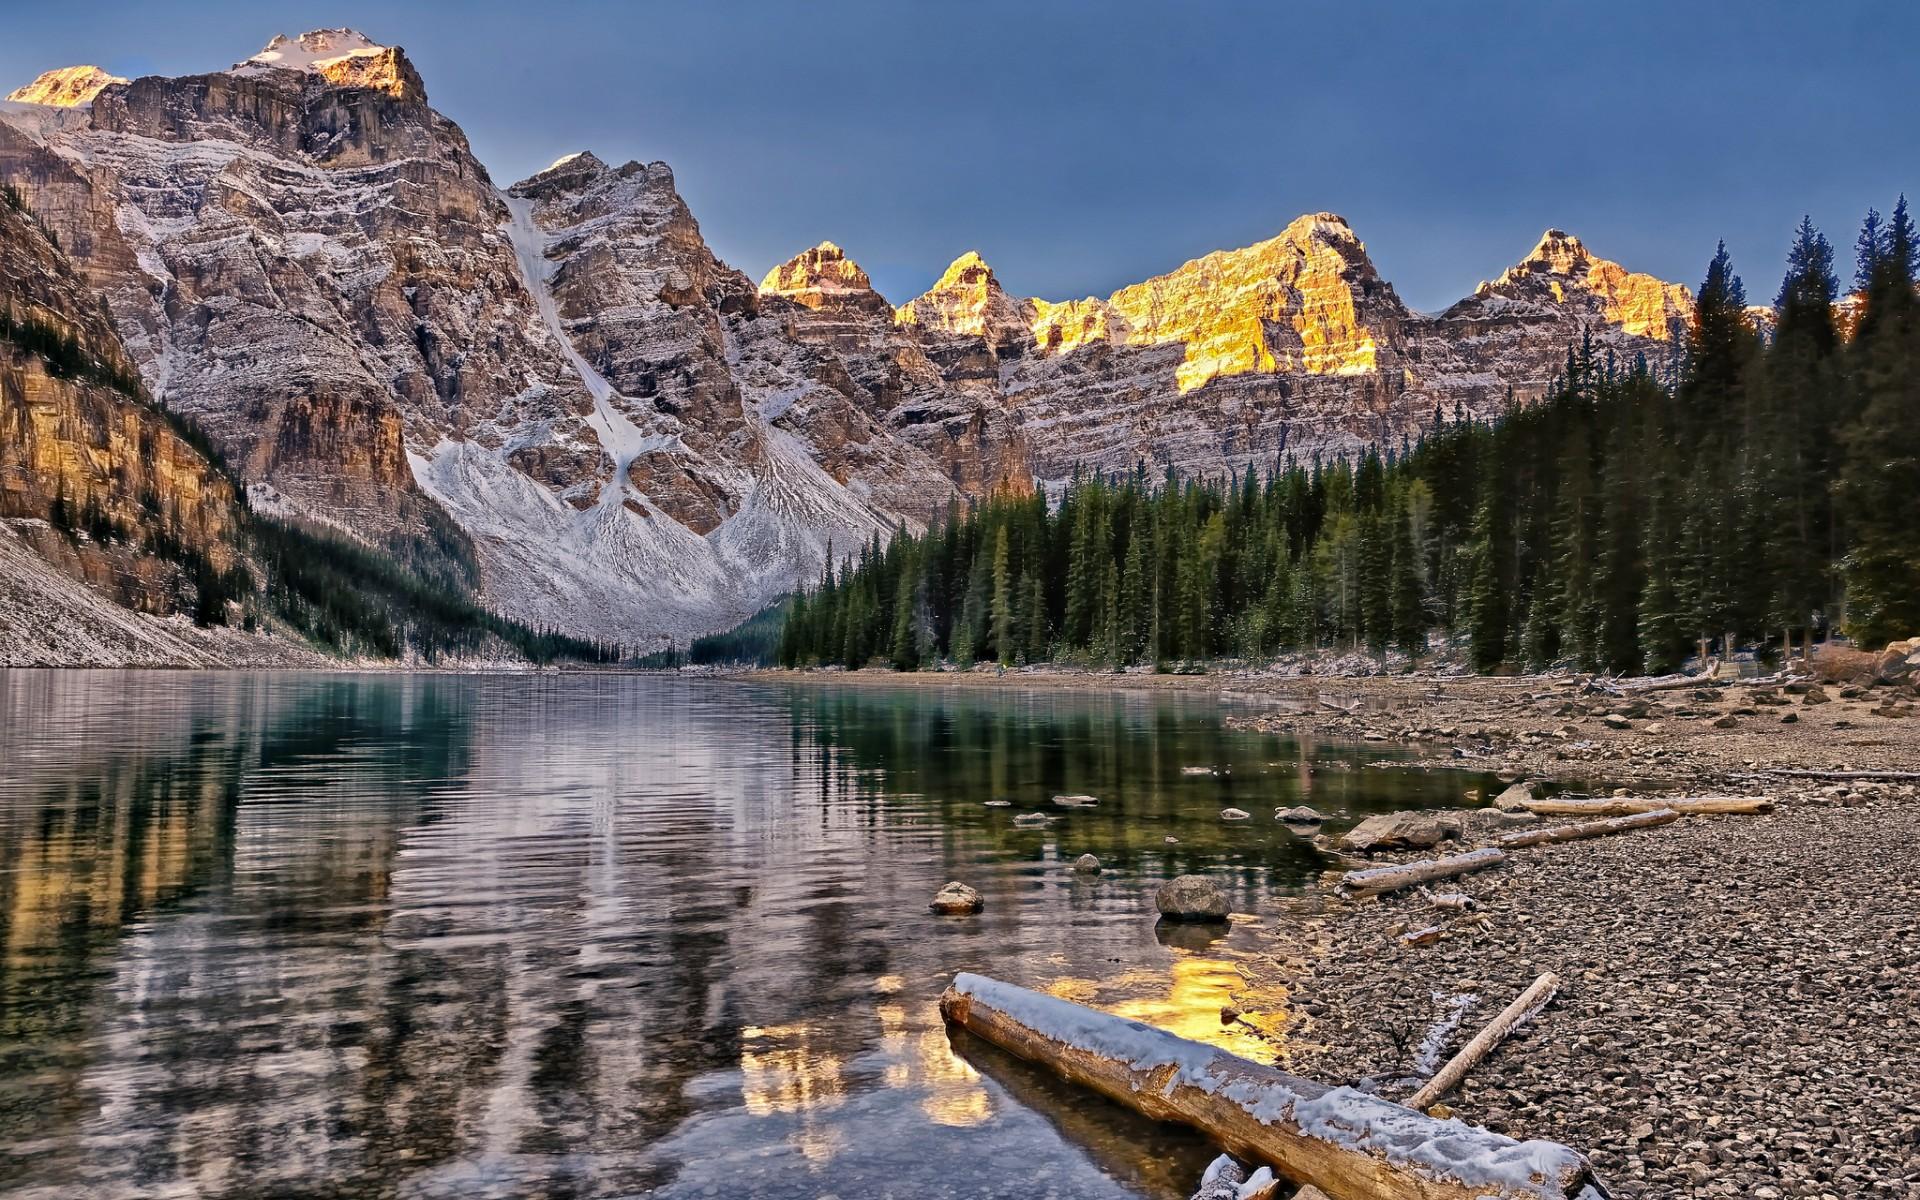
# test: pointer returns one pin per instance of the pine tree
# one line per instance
(1408, 616)
(1880, 475)
(1003, 600)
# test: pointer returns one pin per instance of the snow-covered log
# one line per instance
(1349, 1144)
(1378, 881)
(1587, 829)
(1620, 806)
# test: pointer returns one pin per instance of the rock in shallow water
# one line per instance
(1299, 815)
(1087, 864)
(957, 900)
(1191, 898)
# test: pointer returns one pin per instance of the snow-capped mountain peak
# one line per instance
(313, 50)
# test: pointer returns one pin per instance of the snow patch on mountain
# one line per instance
(311, 51)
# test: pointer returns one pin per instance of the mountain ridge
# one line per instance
(640, 440)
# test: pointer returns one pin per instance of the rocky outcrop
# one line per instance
(92, 474)
(1513, 334)
(64, 87)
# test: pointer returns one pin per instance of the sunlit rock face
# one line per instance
(969, 302)
(77, 440)
(824, 278)
(66, 87)
(1513, 334)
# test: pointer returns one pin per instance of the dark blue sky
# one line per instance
(1084, 145)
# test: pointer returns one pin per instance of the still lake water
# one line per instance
(602, 935)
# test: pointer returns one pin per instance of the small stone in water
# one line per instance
(1087, 864)
(957, 900)
(1191, 898)
(1234, 814)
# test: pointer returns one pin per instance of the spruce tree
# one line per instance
(1880, 476)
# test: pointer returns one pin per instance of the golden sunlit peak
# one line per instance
(968, 268)
(1559, 251)
(65, 87)
(821, 276)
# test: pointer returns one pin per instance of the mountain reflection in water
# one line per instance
(598, 935)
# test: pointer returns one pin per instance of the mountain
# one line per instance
(107, 511)
(556, 395)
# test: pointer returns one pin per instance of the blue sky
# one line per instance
(1080, 146)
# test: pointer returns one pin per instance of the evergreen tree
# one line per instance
(1879, 483)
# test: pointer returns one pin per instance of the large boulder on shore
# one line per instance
(1898, 661)
(1401, 831)
(1517, 797)
(957, 900)
(1191, 898)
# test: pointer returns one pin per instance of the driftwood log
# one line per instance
(1620, 806)
(1586, 829)
(1447, 1077)
(1378, 881)
(1351, 1145)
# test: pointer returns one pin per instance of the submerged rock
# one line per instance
(957, 900)
(1191, 898)
(1086, 864)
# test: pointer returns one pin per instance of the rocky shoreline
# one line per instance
(1739, 1013)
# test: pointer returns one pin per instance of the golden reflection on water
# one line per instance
(1185, 1000)
(923, 1058)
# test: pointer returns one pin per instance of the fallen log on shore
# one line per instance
(1378, 881)
(1586, 829)
(1351, 1145)
(1620, 806)
(1446, 1078)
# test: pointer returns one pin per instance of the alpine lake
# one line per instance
(592, 935)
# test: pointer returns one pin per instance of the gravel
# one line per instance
(1740, 1006)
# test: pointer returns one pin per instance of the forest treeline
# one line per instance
(1766, 487)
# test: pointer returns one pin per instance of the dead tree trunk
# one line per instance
(1446, 1078)
(1620, 806)
(1378, 881)
(1587, 829)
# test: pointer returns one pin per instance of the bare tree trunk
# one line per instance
(1446, 1078)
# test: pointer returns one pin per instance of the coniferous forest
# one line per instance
(1765, 487)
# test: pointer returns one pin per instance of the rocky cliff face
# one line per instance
(91, 472)
(637, 441)
(306, 258)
